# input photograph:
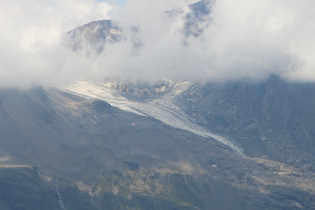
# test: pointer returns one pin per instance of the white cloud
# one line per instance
(31, 33)
(256, 38)
(242, 39)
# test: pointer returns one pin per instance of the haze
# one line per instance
(241, 40)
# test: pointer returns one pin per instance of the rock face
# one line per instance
(272, 118)
(93, 36)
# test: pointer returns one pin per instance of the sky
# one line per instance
(241, 39)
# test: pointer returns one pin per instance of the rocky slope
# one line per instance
(272, 118)
(89, 151)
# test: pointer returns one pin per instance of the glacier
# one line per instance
(161, 108)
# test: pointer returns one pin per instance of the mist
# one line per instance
(240, 40)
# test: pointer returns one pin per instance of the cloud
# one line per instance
(31, 37)
(257, 38)
(241, 40)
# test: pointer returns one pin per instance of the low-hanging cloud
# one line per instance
(31, 36)
(240, 40)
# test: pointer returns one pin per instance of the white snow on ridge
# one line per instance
(163, 109)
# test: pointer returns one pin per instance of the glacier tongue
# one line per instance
(163, 108)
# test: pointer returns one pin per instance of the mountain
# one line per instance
(273, 118)
(168, 145)
(92, 36)
(72, 146)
